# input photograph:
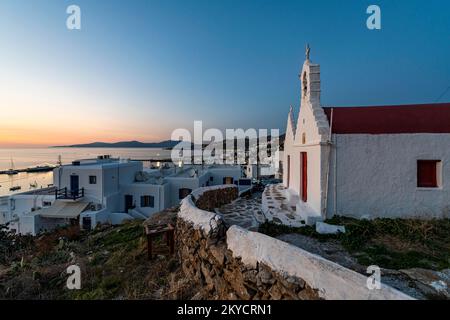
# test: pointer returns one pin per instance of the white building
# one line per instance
(270, 169)
(107, 190)
(389, 161)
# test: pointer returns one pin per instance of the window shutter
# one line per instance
(426, 173)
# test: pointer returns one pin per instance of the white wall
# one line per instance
(143, 189)
(28, 224)
(377, 176)
(177, 183)
(310, 135)
(115, 175)
(109, 177)
(219, 173)
(97, 217)
(333, 281)
(93, 192)
(20, 205)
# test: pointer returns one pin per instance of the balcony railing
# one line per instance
(65, 194)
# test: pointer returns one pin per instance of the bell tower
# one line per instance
(310, 80)
(312, 124)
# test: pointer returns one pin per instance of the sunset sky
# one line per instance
(139, 69)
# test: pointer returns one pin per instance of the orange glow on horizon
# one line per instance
(12, 136)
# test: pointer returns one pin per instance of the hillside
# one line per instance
(113, 262)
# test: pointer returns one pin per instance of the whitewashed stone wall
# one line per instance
(255, 253)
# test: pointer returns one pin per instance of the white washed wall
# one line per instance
(376, 176)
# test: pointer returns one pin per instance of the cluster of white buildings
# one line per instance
(104, 190)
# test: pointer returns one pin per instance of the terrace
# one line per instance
(64, 194)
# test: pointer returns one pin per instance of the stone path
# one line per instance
(278, 208)
(244, 212)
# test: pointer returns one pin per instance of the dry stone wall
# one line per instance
(208, 262)
(206, 259)
(240, 264)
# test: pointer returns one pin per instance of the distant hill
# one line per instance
(125, 144)
(167, 144)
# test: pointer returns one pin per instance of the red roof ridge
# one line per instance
(406, 118)
(442, 104)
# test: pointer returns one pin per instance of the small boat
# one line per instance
(11, 171)
(40, 169)
(15, 188)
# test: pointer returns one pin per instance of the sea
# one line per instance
(26, 158)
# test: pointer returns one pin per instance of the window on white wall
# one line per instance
(429, 173)
(46, 203)
(92, 179)
(147, 201)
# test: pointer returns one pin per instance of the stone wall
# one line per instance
(206, 259)
(216, 197)
(209, 262)
(236, 263)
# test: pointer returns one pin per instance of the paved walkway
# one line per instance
(272, 205)
(277, 207)
(244, 212)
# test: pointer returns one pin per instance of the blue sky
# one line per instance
(139, 69)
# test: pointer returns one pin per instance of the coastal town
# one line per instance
(213, 159)
(244, 208)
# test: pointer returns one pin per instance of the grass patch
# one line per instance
(113, 262)
(388, 243)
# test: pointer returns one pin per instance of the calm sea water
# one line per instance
(25, 158)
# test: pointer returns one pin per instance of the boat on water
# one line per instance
(40, 169)
(11, 170)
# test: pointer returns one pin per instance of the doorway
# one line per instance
(128, 202)
(87, 223)
(74, 184)
(304, 175)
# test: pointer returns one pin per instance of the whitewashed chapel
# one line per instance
(384, 161)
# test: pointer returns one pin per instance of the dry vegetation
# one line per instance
(388, 243)
(113, 261)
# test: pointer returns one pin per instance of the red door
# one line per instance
(288, 169)
(304, 175)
